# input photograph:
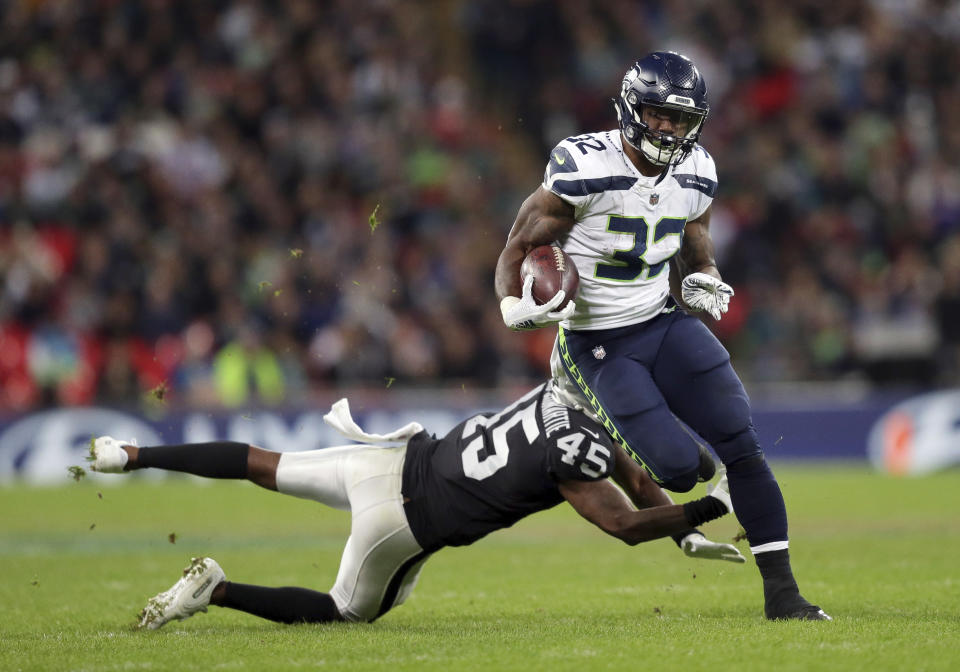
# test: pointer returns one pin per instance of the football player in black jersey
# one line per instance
(424, 493)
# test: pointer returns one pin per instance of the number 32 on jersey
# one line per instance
(652, 247)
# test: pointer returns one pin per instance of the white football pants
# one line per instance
(382, 560)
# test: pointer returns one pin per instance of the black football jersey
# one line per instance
(492, 470)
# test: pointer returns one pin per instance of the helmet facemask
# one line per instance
(658, 147)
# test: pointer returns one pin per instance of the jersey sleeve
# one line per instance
(564, 176)
(703, 181)
(582, 453)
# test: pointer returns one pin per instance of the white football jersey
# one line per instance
(628, 225)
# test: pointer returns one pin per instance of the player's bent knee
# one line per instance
(262, 467)
(682, 483)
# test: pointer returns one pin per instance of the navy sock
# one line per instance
(218, 459)
(757, 500)
(284, 605)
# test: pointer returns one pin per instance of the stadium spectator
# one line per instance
(160, 160)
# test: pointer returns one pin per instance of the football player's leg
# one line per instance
(382, 560)
(283, 605)
(215, 459)
(694, 373)
(318, 475)
(632, 409)
(204, 583)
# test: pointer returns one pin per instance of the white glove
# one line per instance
(524, 313)
(696, 545)
(721, 490)
(704, 292)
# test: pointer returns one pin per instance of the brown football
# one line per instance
(552, 270)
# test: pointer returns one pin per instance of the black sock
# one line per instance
(703, 510)
(218, 459)
(775, 566)
(781, 595)
(284, 605)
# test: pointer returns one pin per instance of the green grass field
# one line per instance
(881, 555)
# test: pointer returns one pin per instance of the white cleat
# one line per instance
(187, 596)
(107, 456)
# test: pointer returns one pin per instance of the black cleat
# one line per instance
(811, 612)
(795, 609)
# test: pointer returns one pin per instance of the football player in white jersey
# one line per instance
(625, 204)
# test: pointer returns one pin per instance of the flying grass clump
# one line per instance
(160, 391)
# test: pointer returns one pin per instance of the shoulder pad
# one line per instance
(582, 165)
(697, 171)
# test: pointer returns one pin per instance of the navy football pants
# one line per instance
(642, 378)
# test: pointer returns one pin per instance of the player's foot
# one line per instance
(107, 454)
(186, 597)
(795, 608)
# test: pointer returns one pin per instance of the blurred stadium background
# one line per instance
(216, 217)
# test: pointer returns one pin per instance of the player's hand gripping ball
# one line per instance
(552, 270)
(550, 282)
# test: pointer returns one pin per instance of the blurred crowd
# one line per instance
(243, 201)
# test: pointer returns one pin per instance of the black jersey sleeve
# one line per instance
(584, 452)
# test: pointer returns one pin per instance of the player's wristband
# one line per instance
(703, 510)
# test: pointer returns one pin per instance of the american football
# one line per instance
(552, 270)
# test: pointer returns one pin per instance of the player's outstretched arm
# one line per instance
(644, 492)
(543, 218)
(636, 482)
(605, 506)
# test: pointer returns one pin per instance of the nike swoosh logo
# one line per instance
(593, 434)
(560, 159)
